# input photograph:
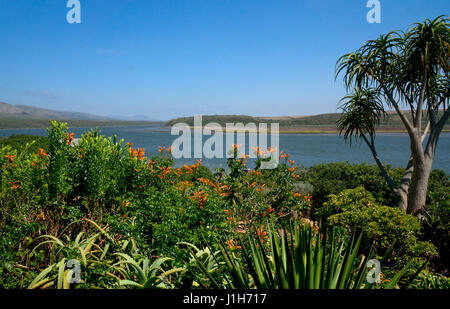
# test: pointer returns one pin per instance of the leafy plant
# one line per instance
(297, 256)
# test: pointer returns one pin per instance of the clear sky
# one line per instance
(167, 58)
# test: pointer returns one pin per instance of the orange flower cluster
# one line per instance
(261, 234)
(230, 217)
(138, 153)
(164, 171)
(14, 185)
(207, 182)
(259, 152)
(223, 190)
(41, 152)
(69, 138)
(297, 195)
(190, 168)
(308, 198)
(183, 185)
(10, 158)
(284, 155)
(161, 149)
(232, 245)
(125, 203)
(41, 216)
(256, 173)
(250, 185)
(200, 198)
(261, 187)
(268, 212)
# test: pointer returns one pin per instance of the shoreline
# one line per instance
(285, 130)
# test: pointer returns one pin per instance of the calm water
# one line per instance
(305, 149)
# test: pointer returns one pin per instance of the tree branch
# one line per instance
(418, 120)
(405, 120)
(388, 178)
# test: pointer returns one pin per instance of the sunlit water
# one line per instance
(305, 149)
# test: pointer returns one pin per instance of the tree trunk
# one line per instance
(401, 192)
(417, 193)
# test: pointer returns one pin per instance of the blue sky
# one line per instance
(166, 58)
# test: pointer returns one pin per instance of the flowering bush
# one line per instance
(146, 199)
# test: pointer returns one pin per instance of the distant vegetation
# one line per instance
(322, 122)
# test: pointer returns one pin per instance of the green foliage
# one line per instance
(357, 209)
(296, 257)
(100, 261)
(333, 178)
(427, 280)
(19, 141)
(147, 207)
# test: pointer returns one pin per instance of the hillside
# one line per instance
(313, 123)
(24, 116)
(30, 112)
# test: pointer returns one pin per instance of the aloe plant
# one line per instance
(298, 257)
(119, 263)
(142, 274)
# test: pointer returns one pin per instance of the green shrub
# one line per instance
(357, 209)
(19, 141)
(333, 178)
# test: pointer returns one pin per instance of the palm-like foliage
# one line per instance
(362, 112)
(398, 68)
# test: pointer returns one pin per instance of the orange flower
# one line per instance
(41, 215)
(125, 203)
(161, 149)
(70, 137)
(170, 149)
(200, 198)
(250, 185)
(308, 198)
(297, 195)
(129, 144)
(15, 186)
(41, 152)
(10, 158)
(235, 146)
(291, 161)
(284, 155)
(232, 245)
(262, 235)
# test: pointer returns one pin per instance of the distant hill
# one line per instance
(25, 116)
(31, 112)
(312, 123)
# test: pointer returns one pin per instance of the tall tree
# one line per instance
(401, 69)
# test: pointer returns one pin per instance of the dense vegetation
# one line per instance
(127, 221)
